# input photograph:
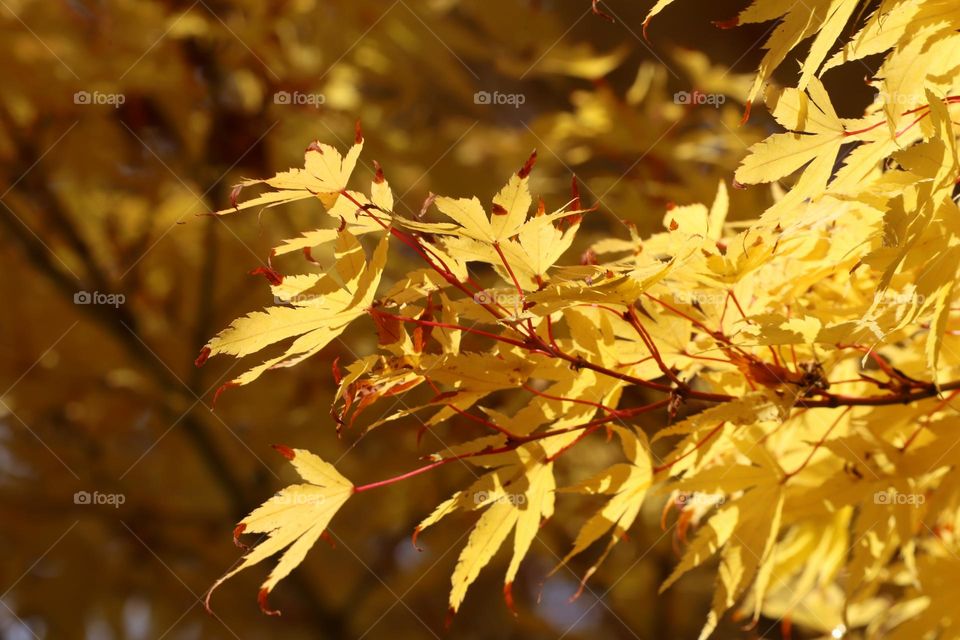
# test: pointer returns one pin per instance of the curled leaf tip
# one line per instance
(378, 177)
(746, 113)
(426, 204)
(335, 369)
(727, 24)
(285, 451)
(583, 584)
(597, 11)
(270, 274)
(221, 389)
(665, 513)
(237, 532)
(508, 598)
(202, 358)
(264, 605)
(528, 165)
(357, 133)
(326, 537)
(206, 600)
(315, 146)
(234, 194)
(413, 539)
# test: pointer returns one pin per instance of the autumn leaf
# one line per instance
(323, 311)
(325, 173)
(293, 520)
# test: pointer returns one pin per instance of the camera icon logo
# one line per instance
(482, 97)
(282, 97)
(82, 497)
(480, 497)
(82, 97)
(82, 297)
(683, 97)
(483, 297)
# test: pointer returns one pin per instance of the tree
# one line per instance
(120, 121)
(799, 364)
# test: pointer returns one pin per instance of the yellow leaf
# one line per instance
(781, 154)
(325, 173)
(517, 495)
(469, 214)
(488, 534)
(322, 319)
(293, 519)
(510, 207)
(628, 484)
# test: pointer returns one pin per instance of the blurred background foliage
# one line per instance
(108, 198)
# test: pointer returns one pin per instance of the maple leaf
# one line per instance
(293, 520)
(816, 135)
(322, 309)
(516, 497)
(325, 174)
(742, 328)
(627, 484)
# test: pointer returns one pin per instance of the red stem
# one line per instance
(415, 244)
(576, 400)
(512, 445)
(948, 100)
(503, 259)
(403, 476)
(654, 352)
(696, 447)
(458, 327)
(816, 447)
